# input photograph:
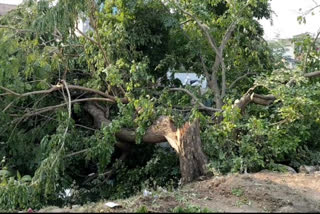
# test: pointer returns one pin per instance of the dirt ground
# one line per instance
(259, 192)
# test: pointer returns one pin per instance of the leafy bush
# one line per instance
(286, 132)
(160, 167)
(17, 193)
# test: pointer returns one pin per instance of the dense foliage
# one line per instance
(50, 70)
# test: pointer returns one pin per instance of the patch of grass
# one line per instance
(180, 198)
(142, 209)
(243, 201)
(237, 192)
(190, 209)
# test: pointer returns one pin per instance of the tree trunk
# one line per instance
(185, 141)
(192, 159)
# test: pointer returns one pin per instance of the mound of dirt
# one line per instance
(260, 192)
(263, 192)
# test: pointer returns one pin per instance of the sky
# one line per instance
(285, 24)
(11, 1)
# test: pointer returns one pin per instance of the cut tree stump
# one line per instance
(192, 159)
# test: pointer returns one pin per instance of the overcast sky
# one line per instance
(285, 24)
(11, 1)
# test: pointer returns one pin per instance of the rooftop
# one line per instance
(5, 8)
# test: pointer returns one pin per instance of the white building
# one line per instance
(190, 79)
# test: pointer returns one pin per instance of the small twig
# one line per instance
(309, 50)
(182, 23)
(122, 90)
(195, 98)
(58, 87)
(9, 91)
(95, 27)
(85, 127)
(78, 125)
(76, 153)
(8, 106)
(16, 29)
(87, 37)
(5, 94)
(240, 78)
(311, 9)
(69, 97)
(279, 122)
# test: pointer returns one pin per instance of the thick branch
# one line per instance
(51, 108)
(162, 129)
(185, 141)
(154, 134)
(245, 99)
(223, 85)
(224, 42)
(306, 75)
(312, 74)
(205, 69)
(262, 99)
(219, 55)
(227, 35)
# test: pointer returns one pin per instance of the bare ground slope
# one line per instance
(259, 192)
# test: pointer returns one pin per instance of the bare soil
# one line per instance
(259, 192)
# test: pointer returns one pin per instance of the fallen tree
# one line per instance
(185, 141)
(91, 108)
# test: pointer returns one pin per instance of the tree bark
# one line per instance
(192, 159)
(185, 141)
(250, 96)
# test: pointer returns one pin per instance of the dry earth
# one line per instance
(259, 192)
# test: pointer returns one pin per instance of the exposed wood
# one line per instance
(254, 98)
(262, 99)
(193, 162)
(185, 141)
(153, 134)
